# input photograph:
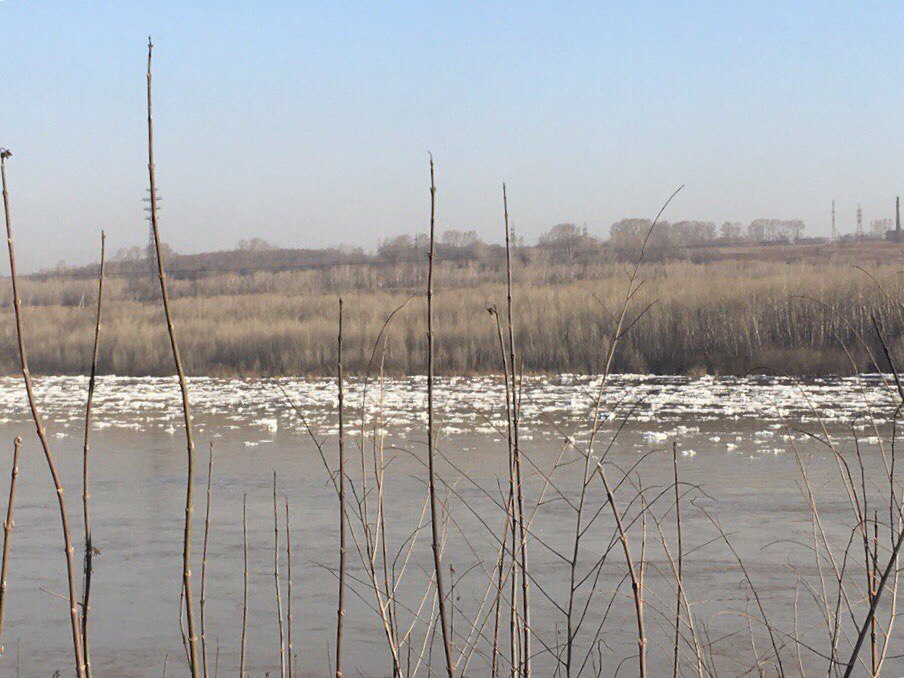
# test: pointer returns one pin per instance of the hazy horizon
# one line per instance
(310, 126)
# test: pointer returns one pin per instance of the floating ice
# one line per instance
(667, 406)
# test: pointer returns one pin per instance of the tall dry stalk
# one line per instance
(516, 449)
(7, 531)
(279, 608)
(679, 573)
(244, 585)
(509, 510)
(872, 567)
(39, 426)
(289, 644)
(194, 662)
(202, 603)
(431, 442)
(340, 611)
(89, 545)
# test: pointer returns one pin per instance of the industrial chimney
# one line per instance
(898, 219)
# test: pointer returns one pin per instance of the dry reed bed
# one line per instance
(715, 318)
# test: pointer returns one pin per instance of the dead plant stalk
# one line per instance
(89, 545)
(203, 601)
(194, 663)
(279, 608)
(340, 611)
(39, 427)
(244, 585)
(8, 529)
(516, 450)
(431, 443)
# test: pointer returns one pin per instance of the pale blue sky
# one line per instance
(309, 123)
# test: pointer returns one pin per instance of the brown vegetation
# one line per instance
(719, 317)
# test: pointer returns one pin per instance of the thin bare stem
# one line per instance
(289, 644)
(8, 529)
(510, 504)
(89, 547)
(244, 585)
(279, 608)
(679, 574)
(203, 601)
(515, 413)
(183, 387)
(340, 611)
(431, 443)
(39, 427)
(873, 575)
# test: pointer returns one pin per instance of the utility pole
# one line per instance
(859, 222)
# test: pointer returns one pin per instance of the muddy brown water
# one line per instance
(741, 468)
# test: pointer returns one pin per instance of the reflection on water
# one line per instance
(740, 441)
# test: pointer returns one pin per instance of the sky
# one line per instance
(309, 123)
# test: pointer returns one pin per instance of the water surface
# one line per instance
(740, 441)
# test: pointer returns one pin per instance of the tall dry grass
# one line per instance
(719, 318)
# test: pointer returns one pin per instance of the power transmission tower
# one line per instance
(834, 228)
(859, 222)
(151, 249)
